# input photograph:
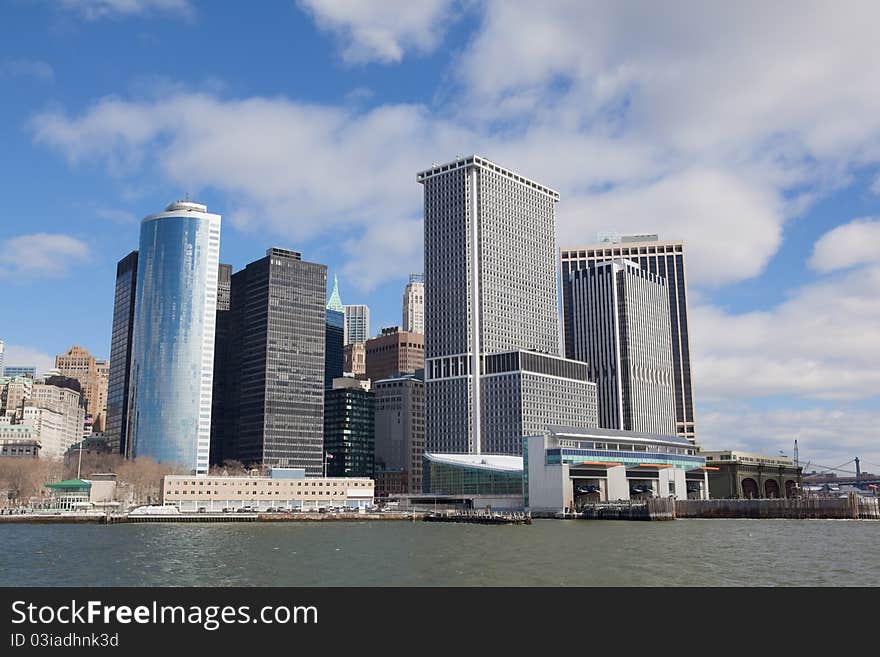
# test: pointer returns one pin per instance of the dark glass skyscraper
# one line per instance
(334, 350)
(274, 369)
(120, 354)
(349, 423)
(222, 386)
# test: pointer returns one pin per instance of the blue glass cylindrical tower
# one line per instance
(173, 338)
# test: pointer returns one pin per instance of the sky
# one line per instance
(749, 130)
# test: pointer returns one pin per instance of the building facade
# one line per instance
(357, 323)
(413, 315)
(20, 370)
(665, 259)
(92, 375)
(284, 489)
(354, 359)
(116, 429)
(349, 429)
(746, 475)
(394, 352)
(55, 412)
(399, 433)
(275, 364)
(620, 328)
(490, 287)
(2, 356)
(172, 362)
(568, 467)
(223, 388)
(334, 351)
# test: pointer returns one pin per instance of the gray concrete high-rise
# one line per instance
(491, 288)
(666, 259)
(400, 433)
(357, 323)
(274, 370)
(116, 432)
(620, 329)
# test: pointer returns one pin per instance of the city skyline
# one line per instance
(773, 193)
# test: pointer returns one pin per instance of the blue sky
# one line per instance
(752, 133)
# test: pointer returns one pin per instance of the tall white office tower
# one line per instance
(172, 356)
(666, 259)
(2, 352)
(413, 317)
(490, 313)
(357, 324)
(621, 329)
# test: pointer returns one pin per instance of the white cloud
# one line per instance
(41, 255)
(33, 68)
(19, 355)
(827, 436)
(855, 243)
(116, 215)
(300, 171)
(97, 9)
(381, 30)
(823, 343)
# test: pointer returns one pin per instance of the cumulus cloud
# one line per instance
(32, 68)
(855, 243)
(41, 255)
(298, 170)
(97, 9)
(381, 30)
(21, 356)
(822, 343)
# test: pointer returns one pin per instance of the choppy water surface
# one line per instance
(547, 553)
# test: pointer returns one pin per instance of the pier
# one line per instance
(652, 509)
(479, 517)
(851, 507)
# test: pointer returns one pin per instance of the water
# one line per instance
(547, 553)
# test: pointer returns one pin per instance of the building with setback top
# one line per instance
(491, 289)
(665, 259)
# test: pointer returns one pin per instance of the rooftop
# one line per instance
(616, 434)
(498, 462)
(477, 160)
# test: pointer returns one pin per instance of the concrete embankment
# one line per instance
(204, 517)
(653, 509)
(852, 507)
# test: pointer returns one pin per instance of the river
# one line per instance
(388, 553)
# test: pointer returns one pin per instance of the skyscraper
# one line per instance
(2, 352)
(116, 431)
(172, 356)
(400, 433)
(413, 317)
(349, 429)
(490, 304)
(620, 328)
(357, 323)
(91, 373)
(275, 363)
(666, 259)
(334, 355)
(223, 386)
